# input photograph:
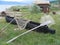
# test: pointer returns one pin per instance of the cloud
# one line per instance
(16, 0)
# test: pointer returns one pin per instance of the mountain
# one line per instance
(14, 3)
(18, 3)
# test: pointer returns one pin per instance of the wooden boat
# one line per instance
(31, 24)
(9, 19)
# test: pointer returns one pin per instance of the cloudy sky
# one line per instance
(8, 3)
(15, 2)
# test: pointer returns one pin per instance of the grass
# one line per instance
(32, 38)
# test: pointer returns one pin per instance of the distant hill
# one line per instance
(53, 1)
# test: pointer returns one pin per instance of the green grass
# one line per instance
(32, 38)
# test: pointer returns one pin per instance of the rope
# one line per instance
(6, 26)
(45, 23)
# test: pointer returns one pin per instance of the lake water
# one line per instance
(4, 7)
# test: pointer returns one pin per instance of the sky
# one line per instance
(8, 3)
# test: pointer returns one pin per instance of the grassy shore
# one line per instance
(32, 38)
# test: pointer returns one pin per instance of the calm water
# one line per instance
(4, 7)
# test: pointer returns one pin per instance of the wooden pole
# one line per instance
(45, 23)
